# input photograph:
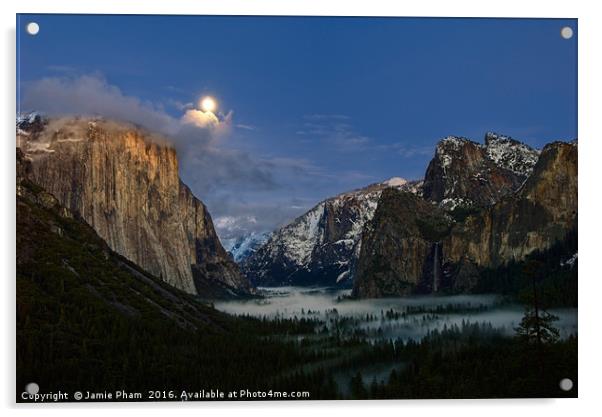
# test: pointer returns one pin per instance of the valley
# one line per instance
(393, 290)
(334, 313)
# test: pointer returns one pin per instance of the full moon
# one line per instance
(208, 104)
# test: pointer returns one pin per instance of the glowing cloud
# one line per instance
(206, 117)
(200, 118)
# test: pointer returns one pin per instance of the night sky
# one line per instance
(307, 107)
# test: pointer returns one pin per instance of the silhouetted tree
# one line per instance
(358, 390)
(536, 325)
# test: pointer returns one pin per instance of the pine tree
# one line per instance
(536, 325)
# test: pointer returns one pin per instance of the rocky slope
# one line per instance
(400, 247)
(124, 183)
(321, 246)
(398, 258)
(539, 214)
(86, 317)
(466, 173)
(55, 244)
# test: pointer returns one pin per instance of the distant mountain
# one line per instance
(30, 123)
(243, 247)
(124, 183)
(321, 246)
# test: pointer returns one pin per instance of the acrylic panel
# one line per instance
(295, 208)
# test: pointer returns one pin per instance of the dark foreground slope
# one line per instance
(88, 319)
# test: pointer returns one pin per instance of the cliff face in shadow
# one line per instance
(467, 173)
(322, 246)
(400, 247)
(124, 183)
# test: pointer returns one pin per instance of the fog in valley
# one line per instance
(402, 318)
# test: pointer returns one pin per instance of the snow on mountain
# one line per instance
(465, 173)
(510, 153)
(244, 246)
(395, 182)
(28, 118)
(321, 246)
(30, 123)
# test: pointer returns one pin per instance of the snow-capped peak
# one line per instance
(510, 153)
(395, 182)
(453, 142)
(244, 246)
(28, 117)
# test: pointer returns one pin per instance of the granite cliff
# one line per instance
(124, 182)
(519, 207)
(540, 213)
(464, 173)
(401, 247)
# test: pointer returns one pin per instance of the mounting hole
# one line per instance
(566, 384)
(32, 388)
(32, 28)
(566, 32)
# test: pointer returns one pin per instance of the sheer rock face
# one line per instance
(467, 173)
(399, 254)
(124, 182)
(536, 216)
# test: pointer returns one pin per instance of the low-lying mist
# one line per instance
(391, 318)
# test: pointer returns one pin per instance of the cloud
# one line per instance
(244, 192)
(407, 151)
(245, 127)
(218, 123)
(206, 162)
(179, 105)
(239, 216)
(92, 95)
(335, 130)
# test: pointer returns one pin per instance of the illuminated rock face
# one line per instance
(124, 182)
(540, 213)
(414, 246)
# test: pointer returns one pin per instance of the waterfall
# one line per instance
(436, 267)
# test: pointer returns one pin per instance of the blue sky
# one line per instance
(314, 106)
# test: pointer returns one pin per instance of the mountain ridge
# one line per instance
(464, 178)
(470, 174)
(320, 247)
(397, 259)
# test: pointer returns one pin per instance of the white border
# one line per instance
(590, 114)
